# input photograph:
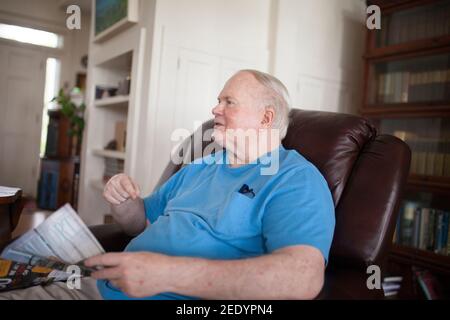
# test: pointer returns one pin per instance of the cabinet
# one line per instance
(407, 94)
(59, 178)
(58, 183)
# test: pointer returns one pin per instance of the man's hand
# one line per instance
(137, 274)
(127, 207)
(120, 188)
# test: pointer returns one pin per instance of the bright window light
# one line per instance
(52, 76)
(32, 36)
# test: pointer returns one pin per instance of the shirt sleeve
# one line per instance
(155, 203)
(301, 212)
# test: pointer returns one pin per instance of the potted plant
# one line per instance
(74, 111)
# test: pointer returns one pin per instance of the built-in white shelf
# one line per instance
(111, 62)
(98, 184)
(109, 154)
(116, 101)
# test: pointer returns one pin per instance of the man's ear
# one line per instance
(268, 117)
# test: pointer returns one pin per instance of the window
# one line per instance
(52, 75)
(31, 36)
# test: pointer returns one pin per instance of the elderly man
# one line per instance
(219, 228)
(205, 238)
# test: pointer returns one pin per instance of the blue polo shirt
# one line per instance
(199, 212)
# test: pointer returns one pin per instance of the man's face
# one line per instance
(238, 106)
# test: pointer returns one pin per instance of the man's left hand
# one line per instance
(137, 274)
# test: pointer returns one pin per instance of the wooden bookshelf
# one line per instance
(421, 258)
(60, 166)
(407, 94)
(418, 110)
(435, 184)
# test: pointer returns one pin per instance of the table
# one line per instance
(10, 210)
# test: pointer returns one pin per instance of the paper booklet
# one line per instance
(44, 255)
(8, 191)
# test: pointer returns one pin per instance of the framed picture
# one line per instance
(113, 16)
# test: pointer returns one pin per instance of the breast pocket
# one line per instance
(238, 217)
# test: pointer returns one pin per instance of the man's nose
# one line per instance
(217, 110)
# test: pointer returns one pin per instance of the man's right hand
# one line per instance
(120, 188)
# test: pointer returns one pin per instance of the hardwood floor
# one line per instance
(30, 218)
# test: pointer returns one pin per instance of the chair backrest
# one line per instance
(365, 172)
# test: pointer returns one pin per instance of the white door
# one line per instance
(22, 83)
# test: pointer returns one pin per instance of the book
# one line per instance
(398, 87)
(393, 279)
(439, 159)
(381, 84)
(429, 285)
(405, 87)
(421, 157)
(391, 285)
(441, 237)
(51, 147)
(407, 223)
(448, 241)
(47, 253)
(48, 185)
(440, 229)
(430, 147)
(388, 95)
(423, 228)
(120, 135)
(446, 144)
(414, 155)
(415, 241)
(430, 231)
(390, 293)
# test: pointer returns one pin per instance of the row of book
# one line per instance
(427, 283)
(430, 156)
(423, 228)
(416, 24)
(391, 285)
(403, 87)
(48, 185)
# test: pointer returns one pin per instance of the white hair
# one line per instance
(277, 97)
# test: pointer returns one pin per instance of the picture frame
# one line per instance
(113, 16)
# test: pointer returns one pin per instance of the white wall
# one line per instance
(197, 45)
(314, 47)
(77, 47)
(50, 16)
(318, 52)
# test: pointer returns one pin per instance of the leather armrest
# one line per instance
(348, 284)
(111, 237)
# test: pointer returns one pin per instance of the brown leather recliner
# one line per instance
(366, 174)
